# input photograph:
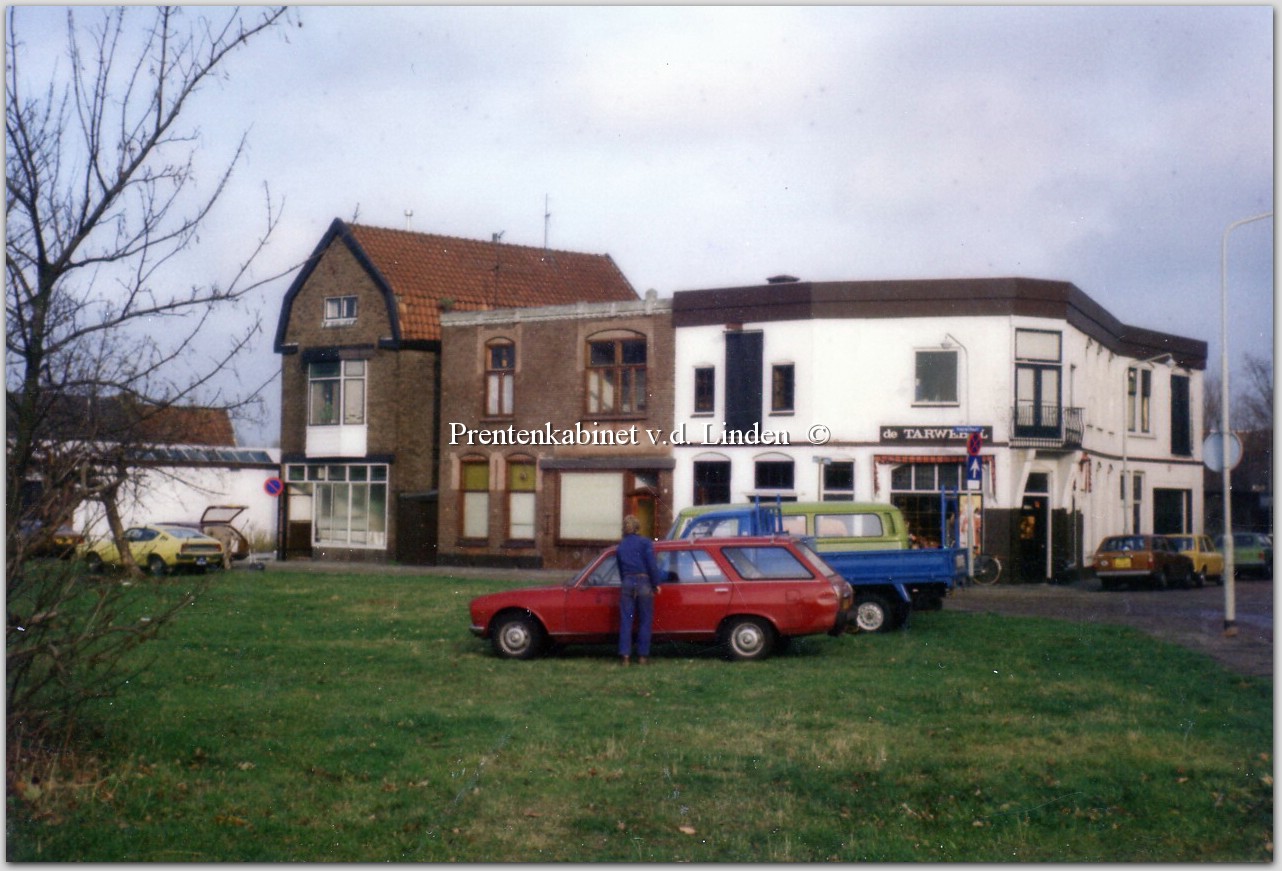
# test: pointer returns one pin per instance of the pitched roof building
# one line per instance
(360, 339)
(421, 274)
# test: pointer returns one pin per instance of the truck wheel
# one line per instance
(517, 636)
(748, 638)
(874, 614)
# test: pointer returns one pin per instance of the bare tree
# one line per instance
(1253, 398)
(103, 195)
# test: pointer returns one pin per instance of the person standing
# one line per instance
(639, 576)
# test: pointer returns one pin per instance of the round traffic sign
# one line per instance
(273, 486)
(1213, 452)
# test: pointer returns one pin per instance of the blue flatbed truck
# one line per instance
(888, 584)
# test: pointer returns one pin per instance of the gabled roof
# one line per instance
(417, 271)
(119, 419)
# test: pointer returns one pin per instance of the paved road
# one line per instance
(1193, 618)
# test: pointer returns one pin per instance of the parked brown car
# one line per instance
(1148, 559)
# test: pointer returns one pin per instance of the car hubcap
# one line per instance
(515, 638)
(870, 617)
(747, 639)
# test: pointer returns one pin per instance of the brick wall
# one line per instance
(549, 389)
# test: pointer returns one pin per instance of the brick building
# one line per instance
(554, 425)
(360, 345)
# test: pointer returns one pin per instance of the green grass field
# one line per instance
(352, 717)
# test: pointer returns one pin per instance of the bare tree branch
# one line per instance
(103, 198)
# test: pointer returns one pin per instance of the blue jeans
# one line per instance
(636, 600)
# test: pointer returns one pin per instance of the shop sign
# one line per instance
(933, 435)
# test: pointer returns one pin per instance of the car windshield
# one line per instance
(1123, 542)
(182, 532)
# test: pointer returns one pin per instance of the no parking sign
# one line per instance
(273, 486)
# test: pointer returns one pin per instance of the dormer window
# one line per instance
(340, 311)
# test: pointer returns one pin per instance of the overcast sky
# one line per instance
(714, 146)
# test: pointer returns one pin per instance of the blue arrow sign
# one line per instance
(974, 472)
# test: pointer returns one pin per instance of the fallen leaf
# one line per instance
(686, 830)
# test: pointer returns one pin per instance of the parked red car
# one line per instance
(747, 594)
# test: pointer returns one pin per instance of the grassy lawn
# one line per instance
(352, 717)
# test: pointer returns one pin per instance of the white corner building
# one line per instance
(876, 390)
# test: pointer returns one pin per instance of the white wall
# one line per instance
(857, 375)
(183, 493)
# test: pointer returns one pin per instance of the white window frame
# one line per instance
(918, 399)
(340, 311)
(360, 488)
(349, 409)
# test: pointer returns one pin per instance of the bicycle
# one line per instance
(986, 569)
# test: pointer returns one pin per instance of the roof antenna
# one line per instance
(547, 217)
(409, 213)
(496, 238)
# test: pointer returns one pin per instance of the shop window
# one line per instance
(350, 503)
(591, 506)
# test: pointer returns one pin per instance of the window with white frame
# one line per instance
(838, 481)
(340, 311)
(474, 483)
(705, 389)
(520, 499)
(500, 378)
(336, 393)
(936, 378)
(1139, 399)
(782, 387)
(349, 502)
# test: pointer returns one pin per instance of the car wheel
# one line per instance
(1162, 580)
(748, 638)
(873, 614)
(517, 636)
(156, 566)
(1199, 579)
(93, 563)
(1107, 584)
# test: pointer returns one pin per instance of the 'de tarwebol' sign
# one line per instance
(932, 435)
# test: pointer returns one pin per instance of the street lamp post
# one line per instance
(1230, 593)
(1128, 494)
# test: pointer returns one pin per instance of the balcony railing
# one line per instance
(1046, 426)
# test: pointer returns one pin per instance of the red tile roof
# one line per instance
(420, 270)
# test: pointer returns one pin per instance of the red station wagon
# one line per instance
(748, 594)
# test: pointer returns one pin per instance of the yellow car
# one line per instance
(1208, 563)
(159, 549)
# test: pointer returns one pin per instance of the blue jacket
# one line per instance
(636, 557)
